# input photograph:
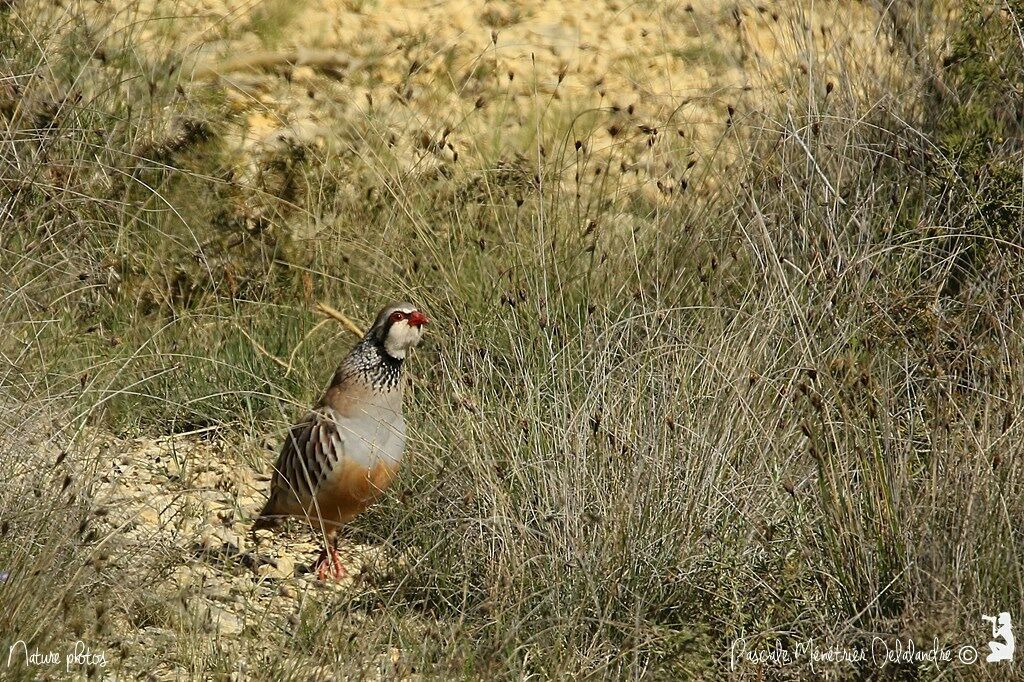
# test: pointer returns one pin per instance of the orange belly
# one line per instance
(348, 492)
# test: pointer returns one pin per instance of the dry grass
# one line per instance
(776, 398)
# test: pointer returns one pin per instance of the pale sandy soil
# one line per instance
(177, 511)
(657, 84)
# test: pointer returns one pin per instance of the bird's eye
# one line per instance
(397, 315)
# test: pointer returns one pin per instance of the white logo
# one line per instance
(1002, 628)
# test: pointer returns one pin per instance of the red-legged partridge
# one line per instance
(338, 459)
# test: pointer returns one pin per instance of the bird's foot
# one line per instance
(329, 566)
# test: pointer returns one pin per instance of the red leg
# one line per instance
(329, 565)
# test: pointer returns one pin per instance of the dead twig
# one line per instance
(263, 350)
(340, 317)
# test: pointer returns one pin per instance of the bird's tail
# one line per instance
(268, 518)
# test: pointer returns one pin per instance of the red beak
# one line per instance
(417, 319)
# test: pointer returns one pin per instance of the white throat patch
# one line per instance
(401, 337)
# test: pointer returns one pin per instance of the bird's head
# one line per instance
(398, 328)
